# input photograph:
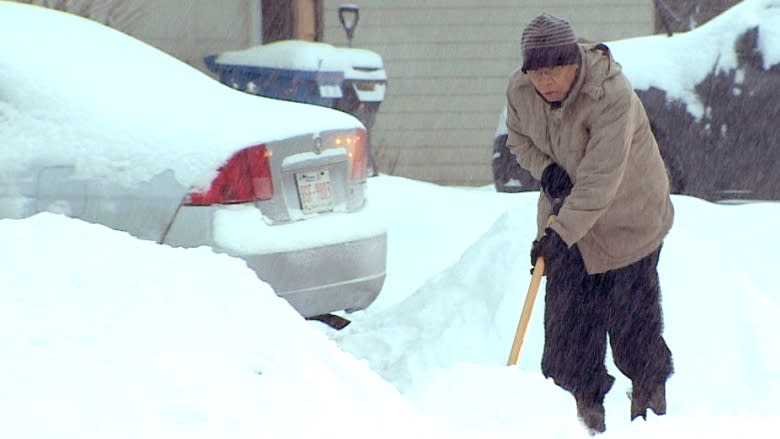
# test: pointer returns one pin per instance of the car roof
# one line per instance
(71, 85)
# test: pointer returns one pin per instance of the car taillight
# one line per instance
(357, 149)
(246, 177)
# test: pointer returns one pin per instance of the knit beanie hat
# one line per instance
(547, 42)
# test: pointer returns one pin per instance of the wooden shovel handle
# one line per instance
(528, 306)
(525, 316)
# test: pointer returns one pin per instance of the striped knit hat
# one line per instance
(548, 41)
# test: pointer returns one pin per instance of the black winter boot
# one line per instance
(653, 398)
(590, 406)
(592, 415)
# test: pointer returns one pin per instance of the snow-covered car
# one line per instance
(99, 126)
(713, 99)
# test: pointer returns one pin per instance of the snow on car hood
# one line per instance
(73, 87)
(309, 56)
(678, 63)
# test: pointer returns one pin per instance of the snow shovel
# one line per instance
(530, 296)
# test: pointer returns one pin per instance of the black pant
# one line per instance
(581, 310)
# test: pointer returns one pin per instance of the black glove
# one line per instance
(550, 247)
(556, 182)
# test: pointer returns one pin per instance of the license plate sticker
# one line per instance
(314, 191)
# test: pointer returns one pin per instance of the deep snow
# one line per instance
(103, 335)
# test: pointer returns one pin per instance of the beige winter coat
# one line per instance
(619, 209)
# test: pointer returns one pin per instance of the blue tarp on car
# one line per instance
(303, 71)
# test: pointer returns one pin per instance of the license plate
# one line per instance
(314, 191)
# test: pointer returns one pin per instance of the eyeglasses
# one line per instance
(554, 72)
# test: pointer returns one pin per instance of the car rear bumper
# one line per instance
(326, 263)
(345, 276)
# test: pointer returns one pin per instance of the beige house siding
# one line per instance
(192, 29)
(448, 62)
